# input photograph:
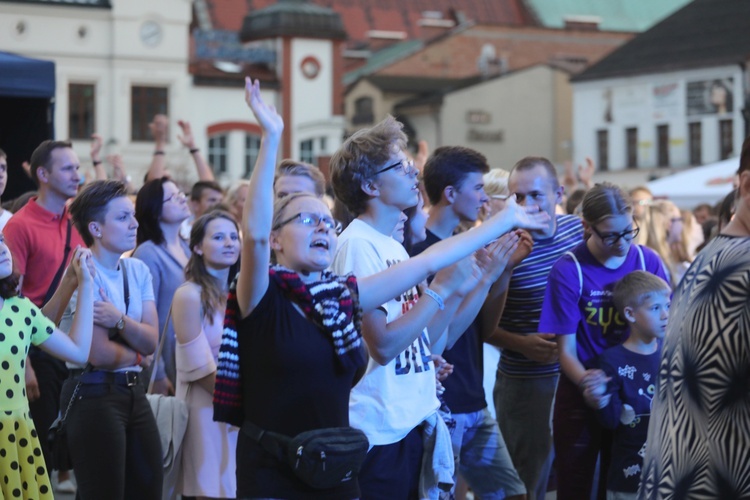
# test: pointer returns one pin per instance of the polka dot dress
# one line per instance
(23, 473)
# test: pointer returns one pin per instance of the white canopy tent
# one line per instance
(706, 184)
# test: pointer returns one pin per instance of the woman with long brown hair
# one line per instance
(209, 447)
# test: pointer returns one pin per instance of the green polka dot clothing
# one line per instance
(23, 473)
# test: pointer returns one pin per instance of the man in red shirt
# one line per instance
(38, 238)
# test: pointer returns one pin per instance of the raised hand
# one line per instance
(96, 146)
(118, 167)
(158, 128)
(524, 217)
(493, 261)
(268, 119)
(586, 173)
(523, 249)
(186, 137)
(454, 278)
(83, 265)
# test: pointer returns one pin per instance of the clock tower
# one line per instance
(308, 40)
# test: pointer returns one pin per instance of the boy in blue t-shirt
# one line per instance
(643, 300)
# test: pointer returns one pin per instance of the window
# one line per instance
(146, 102)
(662, 135)
(363, 114)
(602, 149)
(631, 147)
(726, 133)
(696, 153)
(306, 152)
(81, 110)
(217, 153)
(252, 148)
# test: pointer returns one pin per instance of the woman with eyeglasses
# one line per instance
(292, 345)
(160, 208)
(578, 308)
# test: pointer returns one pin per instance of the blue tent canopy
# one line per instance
(24, 77)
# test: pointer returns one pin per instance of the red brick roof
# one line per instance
(519, 47)
(361, 16)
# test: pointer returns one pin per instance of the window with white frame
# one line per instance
(307, 151)
(217, 153)
(252, 148)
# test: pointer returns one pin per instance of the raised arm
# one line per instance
(158, 167)
(381, 287)
(186, 138)
(96, 158)
(257, 215)
(75, 347)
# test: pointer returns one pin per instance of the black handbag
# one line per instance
(322, 458)
(57, 436)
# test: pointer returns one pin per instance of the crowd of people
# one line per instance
(269, 317)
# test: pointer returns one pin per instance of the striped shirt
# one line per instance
(523, 305)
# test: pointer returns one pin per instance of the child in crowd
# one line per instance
(643, 300)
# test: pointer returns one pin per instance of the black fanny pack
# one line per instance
(322, 458)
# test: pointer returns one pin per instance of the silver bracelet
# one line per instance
(434, 296)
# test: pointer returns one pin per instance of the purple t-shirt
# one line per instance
(587, 310)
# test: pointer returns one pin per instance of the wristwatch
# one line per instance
(120, 325)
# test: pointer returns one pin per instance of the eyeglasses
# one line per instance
(407, 167)
(611, 239)
(312, 220)
(178, 196)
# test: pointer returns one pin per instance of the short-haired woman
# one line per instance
(115, 444)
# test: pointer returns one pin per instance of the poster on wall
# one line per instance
(710, 97)
(666, 100)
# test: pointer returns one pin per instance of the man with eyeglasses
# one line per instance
(529, 369)
(373, 178)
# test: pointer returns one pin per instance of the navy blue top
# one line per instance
(292, 382)
(634, 383)
(464, 390)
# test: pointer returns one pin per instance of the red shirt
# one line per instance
(36, 238)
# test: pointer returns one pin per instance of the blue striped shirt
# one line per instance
(523, 305)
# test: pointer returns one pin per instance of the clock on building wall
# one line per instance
(310, 67)
(151, 33)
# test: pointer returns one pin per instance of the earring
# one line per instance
(99, 235)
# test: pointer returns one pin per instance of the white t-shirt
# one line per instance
(110, 280)
(390, 400)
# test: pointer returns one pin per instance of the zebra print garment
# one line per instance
(698, 443)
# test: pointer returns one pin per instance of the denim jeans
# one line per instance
(524, 410)
(483, 458)
(114, 442)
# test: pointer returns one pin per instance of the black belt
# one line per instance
(129, 378)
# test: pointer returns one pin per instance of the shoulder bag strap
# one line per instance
(125, 286)
(580, 273)
(157, 355)
(61, 269)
